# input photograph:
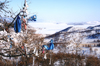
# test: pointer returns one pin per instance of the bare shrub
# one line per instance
(1, 63)
(92, 61)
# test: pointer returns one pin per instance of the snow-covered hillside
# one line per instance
(58, 30)
(61, 32)
(51, 28)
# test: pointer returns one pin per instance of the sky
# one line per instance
(67, 11)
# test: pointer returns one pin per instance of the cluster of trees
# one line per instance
(61, 59)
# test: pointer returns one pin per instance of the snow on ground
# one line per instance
(95, 51)
(84, 50)
(51, 28)
(48, 28)
(57, 63)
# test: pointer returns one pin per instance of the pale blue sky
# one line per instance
(61, 10)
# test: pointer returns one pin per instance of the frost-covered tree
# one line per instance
(74, 41)
(4, 6)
